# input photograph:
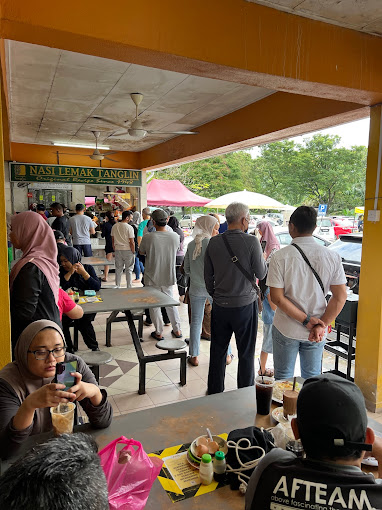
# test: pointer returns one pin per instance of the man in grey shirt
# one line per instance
(234, 308)
(81, 227)
(160, 248)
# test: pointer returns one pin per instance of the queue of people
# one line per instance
(225, 271)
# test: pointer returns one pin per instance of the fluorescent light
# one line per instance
(62, 144)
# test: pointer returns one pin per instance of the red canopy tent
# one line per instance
(162, 192)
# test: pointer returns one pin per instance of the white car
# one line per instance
(185, 222)
(325, 228)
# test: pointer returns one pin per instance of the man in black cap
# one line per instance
(332, 425)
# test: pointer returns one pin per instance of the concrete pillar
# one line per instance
(143, 203)
(78, 195)
(368, 363)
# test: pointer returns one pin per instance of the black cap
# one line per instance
(159, 215)
(331, 414)
(58, 234)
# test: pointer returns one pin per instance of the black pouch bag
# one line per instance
(251, 436)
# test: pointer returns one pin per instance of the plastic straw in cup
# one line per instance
(261, 373)
(294, 383)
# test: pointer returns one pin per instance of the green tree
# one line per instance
(317, 171)
(214, 176)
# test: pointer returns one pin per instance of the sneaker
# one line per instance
(147, 323)
(95, 349)
(117, 287)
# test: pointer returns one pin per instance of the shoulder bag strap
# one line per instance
(235, 260)
(309, 264)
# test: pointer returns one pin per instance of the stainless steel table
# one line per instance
(174, 424)
(129, 301)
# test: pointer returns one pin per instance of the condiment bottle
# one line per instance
(220, 466)
(71, 293)
(206, 472)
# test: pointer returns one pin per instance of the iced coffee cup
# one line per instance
(63, 418)
(290, 403)
(264, 390)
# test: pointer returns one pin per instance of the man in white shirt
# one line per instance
(160, 248)
(122, 235)
(302, 315)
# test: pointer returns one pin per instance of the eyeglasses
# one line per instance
(42, 355)
(247, 219)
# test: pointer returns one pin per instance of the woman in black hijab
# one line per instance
(174, 224)
(82, 277)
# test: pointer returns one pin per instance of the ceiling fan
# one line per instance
(96, 154)
(136, 129)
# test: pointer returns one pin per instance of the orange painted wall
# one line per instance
(45, 154)
(275, 117)
(232, 40)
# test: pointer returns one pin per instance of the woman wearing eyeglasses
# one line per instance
(27, 391)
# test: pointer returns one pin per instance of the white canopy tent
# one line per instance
(249, 198)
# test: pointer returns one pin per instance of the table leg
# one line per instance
(95, 370)
(142, 377)
(183, 368)
(109, 321)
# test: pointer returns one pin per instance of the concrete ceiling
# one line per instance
(53, 95)
(362, 15)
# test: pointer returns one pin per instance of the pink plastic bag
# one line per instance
(130, 473)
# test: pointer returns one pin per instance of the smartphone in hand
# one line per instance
(63, 371)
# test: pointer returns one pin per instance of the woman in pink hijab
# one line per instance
(34, 280)
(271, 243)
(269, 308)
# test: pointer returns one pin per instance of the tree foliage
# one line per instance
(314, 172)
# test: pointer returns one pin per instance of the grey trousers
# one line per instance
(124, 258)
(172, 312)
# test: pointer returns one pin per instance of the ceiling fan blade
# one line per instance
(72, 154)
(173, 132)
(110, 159)
(109, 121)
(109, 153)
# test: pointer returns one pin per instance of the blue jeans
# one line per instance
(285, 352)
(138, 267)
(197, 313)
(84, 249)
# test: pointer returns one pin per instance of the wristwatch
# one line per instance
(306, 321)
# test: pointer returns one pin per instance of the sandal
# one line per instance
(154, 335)
(229, 359)
(193, 360)
(104, 279)
(268, 372)
(176, 335)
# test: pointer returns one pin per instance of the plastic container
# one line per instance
(220, 466)
(206, 470)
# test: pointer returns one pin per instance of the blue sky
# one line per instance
(352, 133)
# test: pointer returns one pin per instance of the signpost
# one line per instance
(30, 172)
(322, 209)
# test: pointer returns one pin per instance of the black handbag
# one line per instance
(246, 447)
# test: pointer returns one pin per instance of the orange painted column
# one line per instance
(5, 327)
(368, 362)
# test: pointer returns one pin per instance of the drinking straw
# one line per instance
(209, 434)
(294, 383)
(261, 373)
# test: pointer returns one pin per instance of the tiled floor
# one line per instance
(120, 377)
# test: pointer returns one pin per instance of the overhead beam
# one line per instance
(275, 117)
(232, 40)
(46, 155)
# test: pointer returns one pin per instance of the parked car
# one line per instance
(349, 246)
(186, 220)
(331, 228)
(284, 239)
